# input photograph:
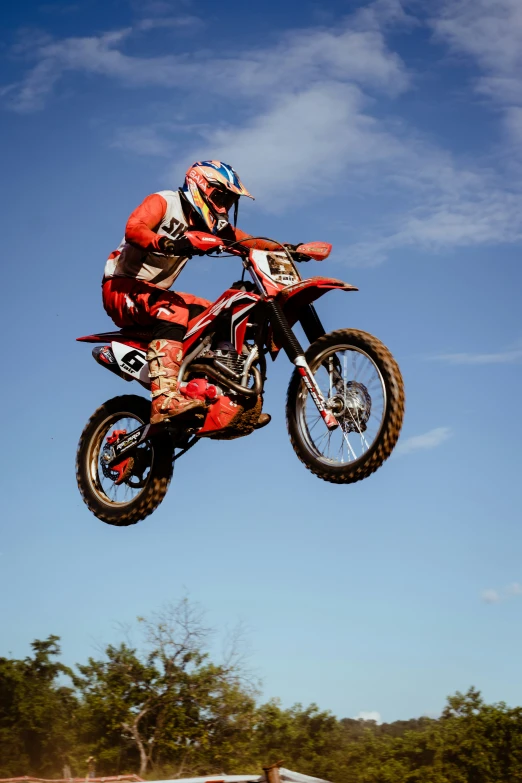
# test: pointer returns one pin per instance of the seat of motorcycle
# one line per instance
(138, 333)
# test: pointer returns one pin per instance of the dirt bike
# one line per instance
(345, 400)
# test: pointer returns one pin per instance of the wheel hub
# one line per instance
(353, 405)
(130, 471)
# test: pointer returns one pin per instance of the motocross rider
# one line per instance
(139, 274)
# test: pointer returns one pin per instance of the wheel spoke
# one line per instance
(345, 436)
(316, 422)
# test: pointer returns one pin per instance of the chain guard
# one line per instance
(138, 467)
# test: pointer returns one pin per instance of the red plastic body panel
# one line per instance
(294, 297)
(230, 299)
(240, 302)
(271, 287)
(240, 315)
(219, 415)
(316, 250)
(203, 241)
(305, 292)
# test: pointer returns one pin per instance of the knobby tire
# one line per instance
(123, 515)
(390, 429)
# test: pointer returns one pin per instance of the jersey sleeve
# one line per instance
(144, 222)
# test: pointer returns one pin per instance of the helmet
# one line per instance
(213, 187)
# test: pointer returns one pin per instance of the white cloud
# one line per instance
(369, 715)
(500, 357)
(33, 91)
(317, 136)
(513, 124)
(304, 142)
(161, 8)
(142, 140)
(95, 54)
(309, 123)
(490, 32)
(381, 13)
(301, 57)
(463, 220)
(183, 21)
(490, 596)
(457, 207)
(429, 440)
(495, 596)
(308, 120)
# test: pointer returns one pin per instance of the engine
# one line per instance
(226, 355)
(232, 360)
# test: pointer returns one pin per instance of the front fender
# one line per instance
(298, 295)
(294, 298)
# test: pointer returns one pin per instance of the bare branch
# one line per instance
(236, 652)
(177, 632)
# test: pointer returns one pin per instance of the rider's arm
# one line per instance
(144, 221)
(256, 244)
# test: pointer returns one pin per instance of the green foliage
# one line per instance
(36, 712)
(306, 738)
(170, 707)
(170, 711)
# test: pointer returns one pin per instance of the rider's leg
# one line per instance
(131, 302)
(165, 354)
(165, 357)
(194, 304)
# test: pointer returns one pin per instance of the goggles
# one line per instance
(222, 199)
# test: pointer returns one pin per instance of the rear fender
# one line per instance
(135, 337)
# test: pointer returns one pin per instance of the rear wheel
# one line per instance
(363, 387)
(147, 475)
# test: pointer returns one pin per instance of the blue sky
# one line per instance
(391, 130)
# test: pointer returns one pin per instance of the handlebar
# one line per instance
(208, 243)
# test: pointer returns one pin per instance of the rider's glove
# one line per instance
(177, 247)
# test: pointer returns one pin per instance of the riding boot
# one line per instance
(164, 357)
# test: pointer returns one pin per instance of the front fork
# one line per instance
(315, 392)
(291, 346)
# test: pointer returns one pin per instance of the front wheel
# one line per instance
(363, 387)
(147, 476)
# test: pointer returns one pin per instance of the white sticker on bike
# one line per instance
(131, 361)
